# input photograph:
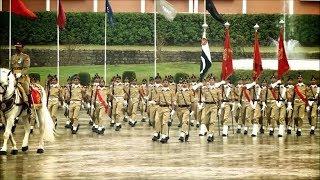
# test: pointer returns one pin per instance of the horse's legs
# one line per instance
(26, 133)
(6, 135)
(14, 150)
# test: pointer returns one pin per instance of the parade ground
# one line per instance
(130, 154)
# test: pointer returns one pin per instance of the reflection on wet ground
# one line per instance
(130, 153)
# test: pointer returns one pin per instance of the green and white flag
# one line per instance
(166, 9)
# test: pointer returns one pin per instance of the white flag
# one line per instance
(166, 9)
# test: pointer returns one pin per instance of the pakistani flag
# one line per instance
(166, 9)
(205, 58)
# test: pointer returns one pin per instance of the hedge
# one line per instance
(137, 29)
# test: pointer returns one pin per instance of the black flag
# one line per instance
(213, 11)
(205, 59)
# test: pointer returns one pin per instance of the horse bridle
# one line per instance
(2, 93)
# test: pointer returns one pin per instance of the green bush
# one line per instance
(179, 76)
(137, 29)
(128, 74)
(84, 78)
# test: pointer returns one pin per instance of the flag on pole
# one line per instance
(19, 8)
(109, 11)
(283, 65)
(205, 58)
(166, 9)
(257, 64)
(213, 11)
(61, 19)
(227, 67)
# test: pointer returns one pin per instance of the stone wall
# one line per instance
(42, 57)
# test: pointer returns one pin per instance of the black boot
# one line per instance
(312, 132)
(210, 139)
(101, 131)
(155, 138)
(271, 133)
(298, 133)
(245, 132)
(181, 139)
(164, 140)
(238, 131)
(261, 130)
(112, 124)
(118, 128)
(288, 131)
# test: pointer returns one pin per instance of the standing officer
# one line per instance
(184, 99)
(75, 96)
(300, 102)
(20, 64)
(313, 100)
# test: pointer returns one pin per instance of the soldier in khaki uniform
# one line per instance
(75, 97)
(125, 102)
(290, 99)
(313, 100)
(236, 107)
(246, 106)
(154, 89)
(20, 64)
(194, 105)
(143, 91)
(184, 99)
(101, 106)
(300, 100)
(255, 92)
(91, 98)
(118, 102)
(263, 102)
(226, 105)
(133, 102)
(211, 96)
(165, 99)
(54, 94)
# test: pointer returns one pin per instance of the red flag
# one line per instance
(19, 8)
(257, 64)
(61, 19)
(227, 67)
(283, 65)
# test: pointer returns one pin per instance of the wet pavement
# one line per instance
(130, 154)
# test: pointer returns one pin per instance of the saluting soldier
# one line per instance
(165, 100)
(226, 105)
(313, 100)
(300, 101)
(211, 95)
(75, 96)
(54, 97)
(133, 102)
(184, 99)
(118, 96)
(20, 64)
(144, 92)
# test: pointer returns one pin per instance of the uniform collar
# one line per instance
(76, 86)
(184, 89)
(54, 85)
(300, 84)
(165, 88)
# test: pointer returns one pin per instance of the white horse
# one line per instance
(11, 104)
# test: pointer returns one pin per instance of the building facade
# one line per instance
(182, 6)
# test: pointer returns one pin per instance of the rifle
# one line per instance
(66, 112)
(48, 89)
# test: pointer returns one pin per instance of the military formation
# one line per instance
(253, 107)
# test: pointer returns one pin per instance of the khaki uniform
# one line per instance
(184, 99)
(299, 106)
(211, 97)
(99, 109)
(290, 98)
(165, 99)
(133, 102)
(20, 63)
(75, 103)
(313, 98)
(53, 102)
(119, 94)
(91, 98)
(153, 106)
(226, 105)
(194, 108)
(237, 98)
(263, 96)
(246, 109)
(143, 97)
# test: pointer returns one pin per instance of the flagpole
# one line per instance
(155, 36)
(10, 14)
(204, 12)
(58, 46)
(105, 47)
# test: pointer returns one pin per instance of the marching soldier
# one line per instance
(237, 100)
(66, 92)
(246, 105)
(133, 102)
(153, 106)
(20, 64)
(75, 97)
(263, 104)
(125, 102)
(226, 104)
(92, 98)
(211, 95)
(184, 99)
(313, 100)
(195, 89)
(101, 106)
(118, 102)
(300, 101)
(165, 100)
(143, 91)
(54, 95)
(290, 102)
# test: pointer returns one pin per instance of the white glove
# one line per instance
(223, 104)
(278, 103)
(200, 106)
(152, 102)
(252, 105)
(82, 106)
(264, 106)
(233, 107)
(146, 98)
(289, 107)
(172, 113)
(239, 105)
(125, 103)
(88, 105)
(318, 108)
(223, 82)
(308, 108)
(310, 103)
(219, 112)
(18, 75)
(192, 113)
(65, 105)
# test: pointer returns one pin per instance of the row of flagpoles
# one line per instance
(163, 7)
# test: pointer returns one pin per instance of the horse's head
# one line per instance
(6, 77)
